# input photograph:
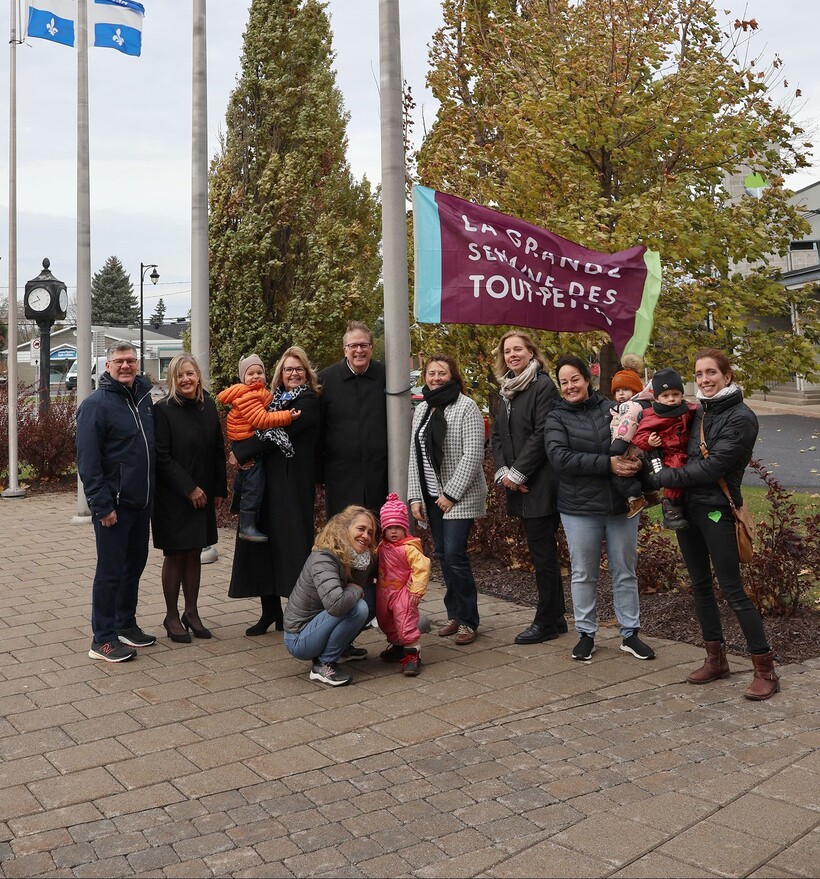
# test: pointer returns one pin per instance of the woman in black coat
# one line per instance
(527, 395)
(578, 439)
(729, 433)
(269, 570)
(190, 476)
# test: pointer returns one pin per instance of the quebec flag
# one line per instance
(52, 20)
(116, 24)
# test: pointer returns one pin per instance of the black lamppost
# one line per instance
(46, 300)
(154, 276)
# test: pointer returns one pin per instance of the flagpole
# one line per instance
(394, 248)
(13, 489)
(84, 340)
(199, 194)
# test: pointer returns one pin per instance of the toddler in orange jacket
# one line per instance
(404, 572)
(249, 401)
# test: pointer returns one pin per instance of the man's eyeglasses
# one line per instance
(129, 361)
(361, 345)
(293, 370)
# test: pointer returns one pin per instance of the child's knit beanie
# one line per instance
(246, 362)
(394, 512)
(666, 380)
(629, 379)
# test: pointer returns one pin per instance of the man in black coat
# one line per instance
(115, 461)
(353, 444)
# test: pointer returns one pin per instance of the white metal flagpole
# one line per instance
(394, 248)
(13, 490)
(200, 336)
(83, 236)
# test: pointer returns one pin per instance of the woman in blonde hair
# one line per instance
(190, 478)
(326, 609)
(268, 571)
(520, 457)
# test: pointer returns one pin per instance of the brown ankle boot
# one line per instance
(714, 666)
(765, 683)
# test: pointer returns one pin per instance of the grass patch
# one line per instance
(806, 503)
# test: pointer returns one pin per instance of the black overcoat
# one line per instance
(354, 436)
(286, 513)
(190, 453)
(518, 442)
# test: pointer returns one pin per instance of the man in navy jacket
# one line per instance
(115, 461)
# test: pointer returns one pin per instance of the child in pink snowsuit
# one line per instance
(404, 571)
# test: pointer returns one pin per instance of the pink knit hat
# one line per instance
(394, 512)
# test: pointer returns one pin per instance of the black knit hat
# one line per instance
(666, 380)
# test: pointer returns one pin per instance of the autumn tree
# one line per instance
(294, 238)
(113, 302)
(615, 124)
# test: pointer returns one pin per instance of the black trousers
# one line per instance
(540, 533)
(705, 541)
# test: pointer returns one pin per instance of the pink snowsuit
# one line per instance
(403, 568)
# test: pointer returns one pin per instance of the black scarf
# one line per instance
(437, 400)
(662, 410)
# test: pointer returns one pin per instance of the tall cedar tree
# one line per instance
(294, 238)
(615, 124)
(113, 303)
(158, 315)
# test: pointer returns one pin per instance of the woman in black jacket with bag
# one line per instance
(527, 395)
(729, 429)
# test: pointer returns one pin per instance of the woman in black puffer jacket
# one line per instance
(730, 430)
(577, 439)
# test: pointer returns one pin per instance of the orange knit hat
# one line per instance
(629, 379)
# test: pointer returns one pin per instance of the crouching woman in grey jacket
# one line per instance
(326, 609)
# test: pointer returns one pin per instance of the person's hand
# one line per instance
(232, 460)
(513, 486)
(198, 498)
(295, 413)
(218, 501)
(109, 520)
(654, 440)
(417, 511)
(624, 466)
(355, 588)
(444, 503)
(415, 599)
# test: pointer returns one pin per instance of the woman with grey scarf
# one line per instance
(527, 395)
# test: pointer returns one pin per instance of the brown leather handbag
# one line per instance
(744, 523)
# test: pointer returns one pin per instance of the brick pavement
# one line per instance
(220, 758)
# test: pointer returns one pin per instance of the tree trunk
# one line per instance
(609, 366)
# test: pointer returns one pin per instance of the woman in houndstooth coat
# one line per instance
(446, 485)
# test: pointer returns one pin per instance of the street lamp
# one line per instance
(154, 276)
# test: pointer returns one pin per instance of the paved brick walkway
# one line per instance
(221, 758)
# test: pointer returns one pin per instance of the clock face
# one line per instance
(63, 301)
(39, 299)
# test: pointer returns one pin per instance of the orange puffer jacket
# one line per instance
(249, 411)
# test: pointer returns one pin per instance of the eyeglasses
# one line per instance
(129, 361)
(363, 346)
(293, 370)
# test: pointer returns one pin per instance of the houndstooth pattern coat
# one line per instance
(462, 470)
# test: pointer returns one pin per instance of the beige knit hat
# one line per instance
(245, 362)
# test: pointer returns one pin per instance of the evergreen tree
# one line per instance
(158, 315)
(615, 124)
(294, 238)
(113, 302)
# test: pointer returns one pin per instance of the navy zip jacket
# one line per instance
(577, 440)
(115, 446)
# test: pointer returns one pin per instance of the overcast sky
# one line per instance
(140, 120)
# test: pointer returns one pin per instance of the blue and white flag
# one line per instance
(116, 24)
(52, 20)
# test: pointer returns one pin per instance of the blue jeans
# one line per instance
(325, 637)
(249, 486)
(450, 540)
(122, 551)
(585, 536)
